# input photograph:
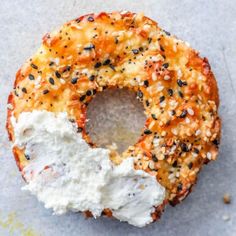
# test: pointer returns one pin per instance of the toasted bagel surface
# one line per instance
(126, 50)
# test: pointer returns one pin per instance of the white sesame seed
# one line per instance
(160, 87)
(151, 165)
(187, 120)
(198, 132)
(208, 133)
(190, 111)
(171, 176)
(62, 81)
(208, 155)
(174, 131)
(166, 77)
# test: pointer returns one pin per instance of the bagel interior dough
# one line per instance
(65, 173)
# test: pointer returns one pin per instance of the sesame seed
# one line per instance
(170, 92)
(140, 94)
(51, 81)
(154, 158)
(89, 93)
(165, 65)
(90, 47)
(209, 155)
(154, 117)
(146, 83)
(45, 91)
(135, 51)
(31, 77)
(98, 64)
(166, 77)
(82, 98)
(58, 75)
(147, 131)
(198, 132)
(91, 78)
(180, 94)
(90, 19)
(74, 80)
(33, 66)
(9, 106)
(183, 114)
(24, 90)
(190, 111)
(106, 62)
(184, 147)
(161, 99)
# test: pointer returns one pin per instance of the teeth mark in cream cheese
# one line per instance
(78, 177)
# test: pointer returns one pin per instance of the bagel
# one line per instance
(47, 113)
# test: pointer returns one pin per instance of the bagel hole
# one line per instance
(115, 116)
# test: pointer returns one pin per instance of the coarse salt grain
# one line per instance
(208, 156)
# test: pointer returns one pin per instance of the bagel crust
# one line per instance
(126, 50)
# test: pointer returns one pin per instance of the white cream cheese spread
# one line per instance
(66, 174)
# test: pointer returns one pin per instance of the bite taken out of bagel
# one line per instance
(127, 50)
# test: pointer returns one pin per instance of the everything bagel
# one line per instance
(105, 51)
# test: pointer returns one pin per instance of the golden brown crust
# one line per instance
(127, 50)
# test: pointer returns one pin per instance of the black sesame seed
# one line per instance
(180, 94)
(167, 33)
(94, 91)
(195, 150)
(90, 19)
(179, 187)
(146, 83)
(24, 90)
(79, 130)
(34, 66)
(149, 40)
(175, 164)
(91, 78)
(45, 91)
(58, 75)
(170, 92)
(154, 158)
(74, 80)
(116, 40)
(216, 142)
(147, 103)
(154, 117)
(173, 112)
(89, 93)
(181, 83)
(190, 165)
(90, 47)
(51, 81)
(147, 131)
(112, 67)
(162, 49)
(31, 77)
(51, 63)
(183, 114)
(98, 64)
(82, 98)
(184, 147)
(27, 157)
(140, 94)
(162, 98)
(165, 65)
(106, 62)
(140, 49)
(135, 51)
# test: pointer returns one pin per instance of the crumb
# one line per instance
(227, 199)
(226, 217)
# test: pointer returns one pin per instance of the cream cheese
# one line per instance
(66, 174)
